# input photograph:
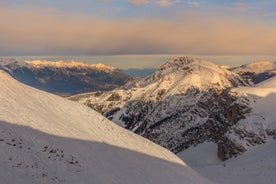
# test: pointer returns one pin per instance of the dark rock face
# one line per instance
(66, 80)
(184, 125)
(183, 120)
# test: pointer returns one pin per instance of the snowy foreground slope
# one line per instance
(48, 139)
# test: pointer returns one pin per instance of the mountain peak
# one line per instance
(190, 65)
(186, 72)
(181, 60)
(104, 67)
(181, 63)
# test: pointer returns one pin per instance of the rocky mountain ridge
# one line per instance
(186, 102)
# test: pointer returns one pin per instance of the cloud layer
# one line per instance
(25, 32)
(138, 2)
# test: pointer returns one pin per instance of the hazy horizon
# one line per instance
(148, 61)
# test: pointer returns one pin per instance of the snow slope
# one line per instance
(203, 154)
(257, 166)
(262, 89)
(48, 139)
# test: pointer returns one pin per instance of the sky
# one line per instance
(138, 27)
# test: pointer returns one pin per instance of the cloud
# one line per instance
(164, 3)
(240, 6)
(268, 14)
(25, 32)
(193, 3)
(138, 2)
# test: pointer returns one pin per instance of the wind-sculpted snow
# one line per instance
(47, 139)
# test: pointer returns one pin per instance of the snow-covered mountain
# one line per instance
(48, 139)
(184, 103)
(71, 64)
(259, 125)
(256, 133)
(65, 77)
(256, 72)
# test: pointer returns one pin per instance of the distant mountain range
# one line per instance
(187, 102)
(65, 77)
